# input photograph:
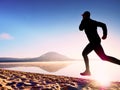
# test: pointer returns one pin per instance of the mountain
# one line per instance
(53, 56)
(50, 56)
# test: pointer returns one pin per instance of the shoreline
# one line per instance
(10, 79)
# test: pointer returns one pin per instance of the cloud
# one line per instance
(5, 36)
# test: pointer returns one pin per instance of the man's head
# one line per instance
(86, 14)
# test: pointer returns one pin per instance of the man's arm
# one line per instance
(81, 26)
(104, 28)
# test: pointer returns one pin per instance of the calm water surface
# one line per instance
(99, 69)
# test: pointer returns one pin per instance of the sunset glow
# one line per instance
(104, 72)
(101, 74)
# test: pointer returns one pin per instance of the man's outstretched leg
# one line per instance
(86, 51)
(113, 60)
(100, 52)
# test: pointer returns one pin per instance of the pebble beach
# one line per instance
(17, 80)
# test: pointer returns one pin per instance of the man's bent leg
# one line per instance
(85, 52)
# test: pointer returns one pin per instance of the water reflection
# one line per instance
(100, 70)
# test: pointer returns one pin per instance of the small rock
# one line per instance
(20, 84)
(10, 83)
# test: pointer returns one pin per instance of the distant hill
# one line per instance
(15, 59)
(50, 56)
(53, 56)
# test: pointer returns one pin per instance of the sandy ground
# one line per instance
(16, 80)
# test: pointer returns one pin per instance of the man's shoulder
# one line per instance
(98, 23)
(94, 20)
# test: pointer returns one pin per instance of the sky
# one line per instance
(30, 28)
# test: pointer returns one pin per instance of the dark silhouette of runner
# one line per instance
(90, 28)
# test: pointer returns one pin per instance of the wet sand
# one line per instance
(16, 80)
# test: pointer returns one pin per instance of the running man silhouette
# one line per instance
(90, 28)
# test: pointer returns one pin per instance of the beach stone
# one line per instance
(44, 82)
(69, 88)
(33, 83)
(5, 80)
(20, 84)
(18, 80)
(23, 79)
(3, 76)
(23, 76)
(6, 88)
(13, 78)
(27, 84)
(0, 85)
(56, 87)
(10, 83)
(14, 86)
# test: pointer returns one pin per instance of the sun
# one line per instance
(101, 75)
(103, 80)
